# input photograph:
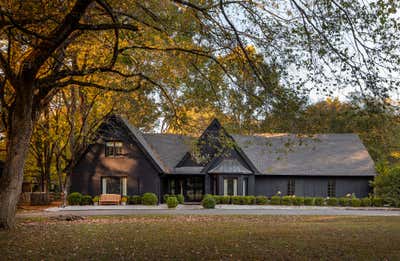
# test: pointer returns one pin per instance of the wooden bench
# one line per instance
(106, 199)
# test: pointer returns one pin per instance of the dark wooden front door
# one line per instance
(192, 187)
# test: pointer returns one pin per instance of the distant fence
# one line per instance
(38, 198)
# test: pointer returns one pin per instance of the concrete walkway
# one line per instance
(219, 210)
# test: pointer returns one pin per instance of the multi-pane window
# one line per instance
(230, 187)
(291, 187)
(114, 185)
(113, 148)
(332, 188)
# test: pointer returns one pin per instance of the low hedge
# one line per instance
(298, 201)
(225, 200)
(180, 198)
(135, 200)
(287, 200)
(355, 202)
(377, 202)
(319, 201)
(236, 200)
(332, 201)
(275, 200)
(308, 201)
(74, 198)
(165, 197)
(261, 200)
(86, 200)
(366, 202)
(208, 201)
(172, 202)
(345, 202)
(149, 199)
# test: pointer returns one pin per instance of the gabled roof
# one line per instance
(170, 147)
(278, 154)
(146, 146)
(319, 155)
(230, 166)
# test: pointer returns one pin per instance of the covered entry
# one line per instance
(191, 187)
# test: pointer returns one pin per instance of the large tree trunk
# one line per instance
(18, 138)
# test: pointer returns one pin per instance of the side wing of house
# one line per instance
(118, 162)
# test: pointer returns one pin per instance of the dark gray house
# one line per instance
(126, 161)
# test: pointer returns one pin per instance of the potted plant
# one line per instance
(96, 200)
(124, 200)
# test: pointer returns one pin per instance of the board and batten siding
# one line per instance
(312, 186)
(141, 174)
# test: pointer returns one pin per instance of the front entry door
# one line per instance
(193, 188)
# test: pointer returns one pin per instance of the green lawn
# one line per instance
(205, 237)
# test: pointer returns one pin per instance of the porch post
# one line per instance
(207, 184)
(251, 185)
(240, 185)
(220, 185)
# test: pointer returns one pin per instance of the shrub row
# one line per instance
(297, 201)
(77, 198)
(179, 197)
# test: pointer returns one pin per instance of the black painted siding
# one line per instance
(312, 186)
(141, 174)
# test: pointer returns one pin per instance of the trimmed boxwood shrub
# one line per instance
(218, 199)
(261, 200)
(236, 200)
(165, 197)
(319, 201)
(275, 200)
(309, 201)
(249, 200)
(355, 202)
(135, 200)
(86, 200)
(332, 201)
(298, 201)
(180, 198)
(366, 202)
(149, 199)
(96, 199)
(344, 202)
(172, 202)
(208, 202)
(74, 198)
(377, 202)
(286, 200)
(225, 200)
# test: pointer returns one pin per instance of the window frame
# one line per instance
(123, 183)
(111, 150)
(291, 187)
(234, 184)
(331, 188)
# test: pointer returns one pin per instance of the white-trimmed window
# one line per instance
(245, 186)
(230, 186)
(114, 185)
(113, 148)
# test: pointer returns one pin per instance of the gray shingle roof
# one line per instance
(140, 137)
(230, 166)
(323, 154)
(170, 147)
(278, 154)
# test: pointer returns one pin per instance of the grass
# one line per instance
(206, 238)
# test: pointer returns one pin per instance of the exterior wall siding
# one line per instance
(312, 186)
(141, 174)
